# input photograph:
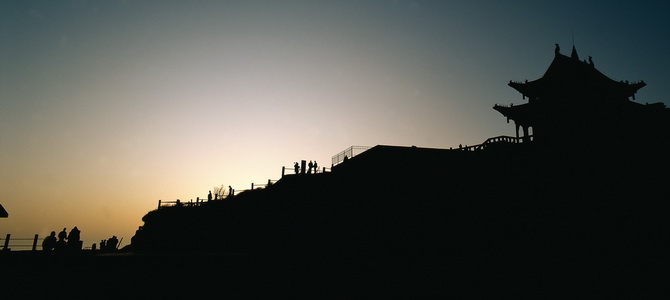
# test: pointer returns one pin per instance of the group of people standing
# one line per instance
(72, 242)
(219, 193)
(311, 165)
(110, 244)
(65, 241)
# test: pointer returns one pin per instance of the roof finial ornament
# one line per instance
(591, 61)
(574, 51)
(557, 50)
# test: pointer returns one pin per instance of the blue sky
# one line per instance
(108, 106)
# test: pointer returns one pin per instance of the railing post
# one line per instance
(283, 169)
(252, 186)
(7, 242)
(159, 204)
(35, 242)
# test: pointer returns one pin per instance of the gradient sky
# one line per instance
(108, 106)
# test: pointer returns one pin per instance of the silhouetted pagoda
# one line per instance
(574, 102)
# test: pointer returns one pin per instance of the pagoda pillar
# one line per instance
(517, 129)
(526, 138)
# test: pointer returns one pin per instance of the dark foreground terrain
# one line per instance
(173, 276)
(510, 220)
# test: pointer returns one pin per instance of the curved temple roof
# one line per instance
(569, 78)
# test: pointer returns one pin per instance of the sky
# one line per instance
(108, 106)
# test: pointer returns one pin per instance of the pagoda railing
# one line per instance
(498, 140)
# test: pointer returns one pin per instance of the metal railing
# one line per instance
(292, 171)
(21, 244)
(348, 153)
(201, 201)
(178, 202)
(263, 185)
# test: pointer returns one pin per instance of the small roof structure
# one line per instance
(3, 212)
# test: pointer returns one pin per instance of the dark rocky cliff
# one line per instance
(508, 202)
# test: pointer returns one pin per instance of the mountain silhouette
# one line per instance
(588, 182)
(577, 194)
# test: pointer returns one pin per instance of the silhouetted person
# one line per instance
(60, 245)
(230, 191)
(346, 158)
(49, 242)
(316, 167)
(178, 203)
(74, 235)
(62, 236)
(310, 165)
(209, 196)
(103, 245)
(296, 168)
(112, 242)
(73, 241)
